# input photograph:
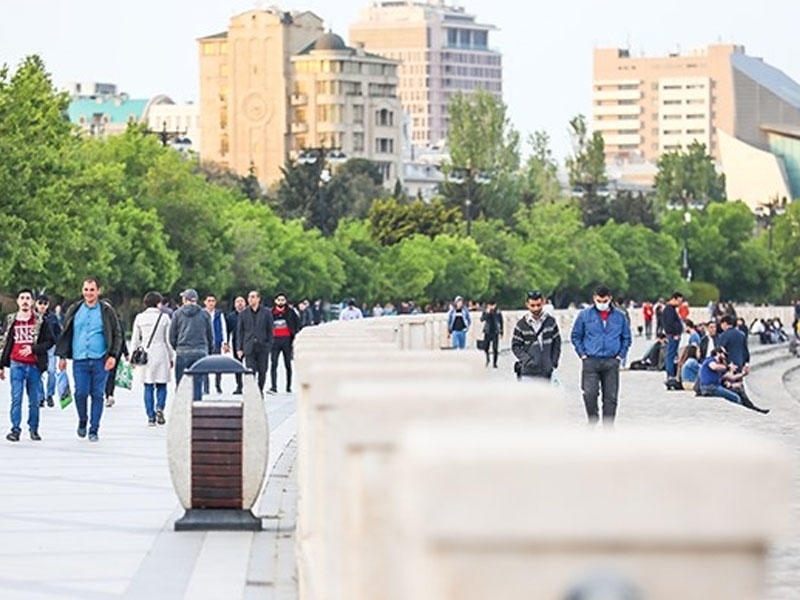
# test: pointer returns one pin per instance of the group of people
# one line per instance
(91, 335)
(717, 343)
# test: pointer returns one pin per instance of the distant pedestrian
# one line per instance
(254, 337)
(92, 338)
(458, 323)
(219, 325)
(192, 338)
(492, 320)
(285, 325)
(601, 337)
(351, 313)
(50, 318)
(151, 331)
(27, 338)
(673, 327)
(239, 305)
(647, 314)
(537, 341)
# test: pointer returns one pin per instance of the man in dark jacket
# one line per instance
(24, 347)
(673, 327)
(50, 318)
(254, 337)
(536, 342)
(735, 343)
(285, 325)
(92, 338)
(233, 319)
(192, 337)
(601, 337)
(492, 320)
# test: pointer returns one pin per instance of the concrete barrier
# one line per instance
(674, 514)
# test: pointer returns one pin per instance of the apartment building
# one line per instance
(346, 99)
(744, 111)
(441, 49)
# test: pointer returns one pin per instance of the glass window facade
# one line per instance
(788, 149)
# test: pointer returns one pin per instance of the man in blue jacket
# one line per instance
(601, 337)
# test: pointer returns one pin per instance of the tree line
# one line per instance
(139, 216)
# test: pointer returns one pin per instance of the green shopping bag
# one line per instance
(124, 375)
(62, 389)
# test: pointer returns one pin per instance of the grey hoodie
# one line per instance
(191, 330)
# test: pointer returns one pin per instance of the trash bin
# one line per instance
(217, 451)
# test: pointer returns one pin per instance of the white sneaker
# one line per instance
(110, 401)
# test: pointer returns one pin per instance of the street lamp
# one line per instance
(468, 175)
(178, 137)
(326, 158)
(766, 213)
(685, 203)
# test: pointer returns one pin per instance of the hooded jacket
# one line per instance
(191, 331)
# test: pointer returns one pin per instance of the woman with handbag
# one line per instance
(154, 355)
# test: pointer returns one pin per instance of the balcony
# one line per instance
(299, 127)
(299, 99)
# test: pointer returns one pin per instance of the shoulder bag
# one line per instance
(139, 355)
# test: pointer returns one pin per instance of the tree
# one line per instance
(636, 209)
(540, 174)
(688, 177)
(587, 171)
(391, 221)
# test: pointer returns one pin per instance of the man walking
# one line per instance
(49, 317)
(24, 349)
(92, 338)
(191, 336)
(673, 327)
(492, 320)
(219, 326)
(285, 325)
(536, 341)
(601, 337)
(254, 337)
(233, 319)
(458, 323)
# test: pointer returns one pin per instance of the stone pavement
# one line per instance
(94, 521)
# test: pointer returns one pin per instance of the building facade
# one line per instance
(733, 103)
(245, 86)
(442, 50)
(346, 99)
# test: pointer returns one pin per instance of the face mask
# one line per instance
(601, 305)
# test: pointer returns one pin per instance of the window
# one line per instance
(384, 146)
(210, 49)
(358, 116)
(384, 118)
(223, 144)
(358, 142)
(672, 102)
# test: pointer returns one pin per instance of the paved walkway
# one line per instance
(94, 521)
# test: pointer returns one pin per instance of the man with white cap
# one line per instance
(192, 337)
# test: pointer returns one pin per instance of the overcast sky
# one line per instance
(148, 47)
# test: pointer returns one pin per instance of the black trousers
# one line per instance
(599, 373)
(281, 345)
(492, 342)
(258, 361)
(218, 377)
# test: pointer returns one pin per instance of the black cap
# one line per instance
(42, 298)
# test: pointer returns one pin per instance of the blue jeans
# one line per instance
(90, 379)
(722, 392)
(51, 376)
(183, 361)
(160, 400)
(459, 339)
(671, 364)
(26, 376)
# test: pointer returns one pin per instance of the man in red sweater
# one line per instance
(286, 325)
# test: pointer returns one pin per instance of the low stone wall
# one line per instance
(422, 477)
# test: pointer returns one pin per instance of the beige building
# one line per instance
(442, 50)
(717, 95)
(245, 84)
(346, 99)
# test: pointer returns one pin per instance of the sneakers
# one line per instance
(49, 401)
(272, 391)
(160, 417)
(151, 422)
(110, 401)
(237, 392)
(41, 403)
(35, 436)
(81, 431)
(13, 436)
(93, 437)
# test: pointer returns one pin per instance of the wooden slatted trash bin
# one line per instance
(218, 450)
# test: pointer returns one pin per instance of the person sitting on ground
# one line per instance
(718, 379)
(689, 366)
(653, 360)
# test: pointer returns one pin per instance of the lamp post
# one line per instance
(467, 176)
(766, 213)
(685, 202)
(179, 137)
(687, 272)
(325, 158)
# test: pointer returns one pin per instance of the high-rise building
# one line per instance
(744, 111)
(245, 84)
(275, 84)
(442, 50)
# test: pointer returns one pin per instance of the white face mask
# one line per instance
(602, 305)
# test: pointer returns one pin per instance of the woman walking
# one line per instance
(151, 332)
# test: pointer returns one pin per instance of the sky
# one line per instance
(149, 47)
